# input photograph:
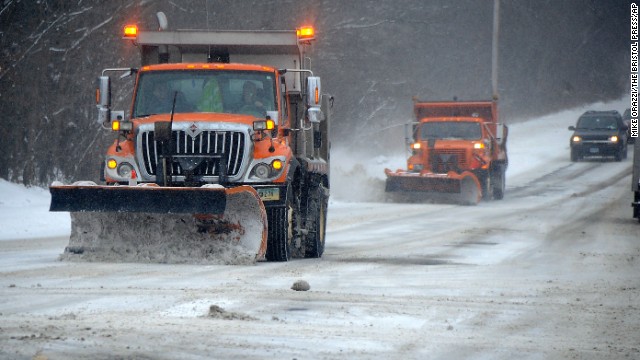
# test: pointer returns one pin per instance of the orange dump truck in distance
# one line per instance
(457, 147)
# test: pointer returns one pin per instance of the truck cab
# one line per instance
(217, 112)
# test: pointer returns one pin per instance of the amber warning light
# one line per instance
(130, 32)
(306, 33)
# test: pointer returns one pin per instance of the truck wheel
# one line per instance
(486, 184)
(316, 221)
(281, 224)
(499, 183)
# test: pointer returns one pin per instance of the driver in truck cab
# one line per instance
(211, 98)
(251, 101)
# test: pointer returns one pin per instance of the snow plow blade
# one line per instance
(465, 186)
(203, 225)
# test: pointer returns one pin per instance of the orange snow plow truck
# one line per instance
(457, 148)
(222, 157)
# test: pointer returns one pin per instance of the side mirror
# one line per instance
(103, 99)
(500, 133)
(410, 132)
(314, 91)
(572, 128)
(314, 97)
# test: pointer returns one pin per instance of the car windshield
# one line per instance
(233, 92)
(597, 123)
(465, 130)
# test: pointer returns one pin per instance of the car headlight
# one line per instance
(576, 139)
(614, 138)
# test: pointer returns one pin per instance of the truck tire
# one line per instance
(316, 223)
(281, 224)
(498, 182)
(486, 184)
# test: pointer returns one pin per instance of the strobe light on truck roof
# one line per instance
(306, 33)
(130, 32)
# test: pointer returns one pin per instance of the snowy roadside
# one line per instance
(24, 214)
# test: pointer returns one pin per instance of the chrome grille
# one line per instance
(208, 146)
(449, 159)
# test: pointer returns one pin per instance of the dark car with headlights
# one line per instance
(599, 134)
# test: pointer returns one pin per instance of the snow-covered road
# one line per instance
(552, 271)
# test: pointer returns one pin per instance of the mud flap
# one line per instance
(234, 233)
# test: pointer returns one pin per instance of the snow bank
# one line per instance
(24, 213)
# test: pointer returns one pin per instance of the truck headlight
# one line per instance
(262, 171)
(614, 138)
(266, 169)
(576, 139)
(125, 169)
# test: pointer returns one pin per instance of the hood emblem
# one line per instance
(193, 130)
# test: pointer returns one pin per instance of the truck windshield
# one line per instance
(200, 91)
(465, 130)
